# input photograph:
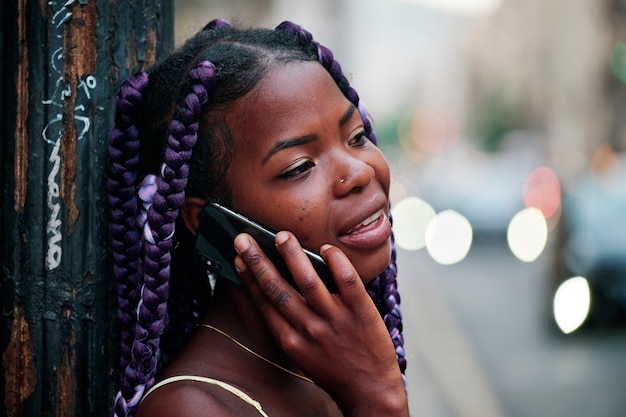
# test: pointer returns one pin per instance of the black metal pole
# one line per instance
(61, 64)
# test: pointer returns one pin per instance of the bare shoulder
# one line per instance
(193, 398)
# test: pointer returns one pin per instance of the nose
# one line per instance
(351, 174)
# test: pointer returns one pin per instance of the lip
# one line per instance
(369, 232)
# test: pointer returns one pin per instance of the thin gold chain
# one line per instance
(247, 349)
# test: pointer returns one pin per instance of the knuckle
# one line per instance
(282, 298)
(350, 277)
(271, 287)
(308, 282)
(290, 249)
(317, 330)
(252, 258)
(289, 342)
(261, 271)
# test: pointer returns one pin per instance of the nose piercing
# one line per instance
(342, 180)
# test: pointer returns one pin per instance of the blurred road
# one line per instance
(479, 343)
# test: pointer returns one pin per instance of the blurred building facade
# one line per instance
(526, 65)
(549, 62)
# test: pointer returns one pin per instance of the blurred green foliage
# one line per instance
(618, 61)
(387, 132)
(494, 116)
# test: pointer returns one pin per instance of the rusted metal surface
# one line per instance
(17, 360)
(79, 61)
(66, 373)
(151, 48)
(21, 134)
(62, 63)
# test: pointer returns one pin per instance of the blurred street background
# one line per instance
(504, 122)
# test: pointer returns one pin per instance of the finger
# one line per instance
(272, 316)
(346, 277)
(262, 271)
(304, 275)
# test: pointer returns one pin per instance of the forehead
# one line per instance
(291, 100)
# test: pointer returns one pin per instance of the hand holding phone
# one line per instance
(215, 251)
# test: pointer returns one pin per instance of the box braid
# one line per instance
(122, 200)
(140, 352)
(145, 198)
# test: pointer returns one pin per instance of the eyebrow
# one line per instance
(290, 143)
(347, 115)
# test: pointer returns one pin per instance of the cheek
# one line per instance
(305, 214)
(277, 213)
(303, 219)
(381, 167)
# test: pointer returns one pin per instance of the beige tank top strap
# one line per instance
(233, 390)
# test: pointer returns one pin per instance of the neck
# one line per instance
(234, 312)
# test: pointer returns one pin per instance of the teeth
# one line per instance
(370, 219)
(365, 222)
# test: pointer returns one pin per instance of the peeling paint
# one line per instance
(20, 373)
(150, 48)
(79, 50)
(131, 48)
(66, 376)
(21, 130)
(72, 65)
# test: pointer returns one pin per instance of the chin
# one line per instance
(366, 280)
(376, 268)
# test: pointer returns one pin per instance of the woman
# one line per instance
(264, 122)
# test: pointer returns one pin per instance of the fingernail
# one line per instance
(242, 244)
(240, 265)
(325, 247)
(281, 237)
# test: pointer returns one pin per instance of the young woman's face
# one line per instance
(302, 163)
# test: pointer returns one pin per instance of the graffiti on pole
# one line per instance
(53, 131)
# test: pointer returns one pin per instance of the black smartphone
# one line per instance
(214, 248)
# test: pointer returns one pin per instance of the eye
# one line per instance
(358, 139)
(297, 170)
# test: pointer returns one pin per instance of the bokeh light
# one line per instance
(448, 237)
(605, 168)
(542, 190)
(429, 130)
(571, 304)
(433, 128)
(411, 217)
(527, 234)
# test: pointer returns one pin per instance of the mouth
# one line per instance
(371, 232)
(366, 224)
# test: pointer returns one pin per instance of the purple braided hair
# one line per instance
(216, 23)
(157, 240)
(125, 234)
(383, 289)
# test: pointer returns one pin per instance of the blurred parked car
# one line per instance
(591, 245)
(484, 187)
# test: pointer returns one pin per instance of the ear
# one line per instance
(190, 212)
